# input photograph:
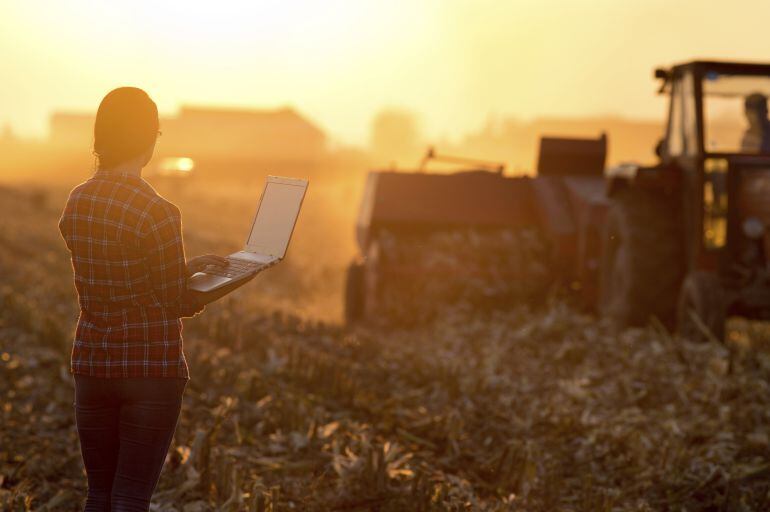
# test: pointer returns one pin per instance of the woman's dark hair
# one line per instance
(126, 126)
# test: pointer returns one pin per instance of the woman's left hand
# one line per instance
(199, 263)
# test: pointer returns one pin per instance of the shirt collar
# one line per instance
(123, 176)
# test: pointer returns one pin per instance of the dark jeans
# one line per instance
(125, 428)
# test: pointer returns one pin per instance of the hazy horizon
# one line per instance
(469, 131)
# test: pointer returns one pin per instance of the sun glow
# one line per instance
(456, 63)
(175, 166)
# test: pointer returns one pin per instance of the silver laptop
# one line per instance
(268, 239)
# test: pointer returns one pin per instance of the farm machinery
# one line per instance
(684, 241)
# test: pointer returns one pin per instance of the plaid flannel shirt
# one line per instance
(131, 278)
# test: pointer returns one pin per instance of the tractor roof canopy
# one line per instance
(701, 68)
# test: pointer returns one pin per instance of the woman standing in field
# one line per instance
(131, 277)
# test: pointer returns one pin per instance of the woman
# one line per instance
(130, 273)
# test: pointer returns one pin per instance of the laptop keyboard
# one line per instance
(235, 268)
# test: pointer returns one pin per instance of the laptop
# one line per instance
(268, 239)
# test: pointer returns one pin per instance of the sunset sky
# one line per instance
(453, 62)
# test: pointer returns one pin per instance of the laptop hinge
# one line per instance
(253, 256)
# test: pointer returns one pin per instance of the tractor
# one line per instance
(686, 240)
(683, 241)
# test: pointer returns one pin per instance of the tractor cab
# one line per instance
(718, 134)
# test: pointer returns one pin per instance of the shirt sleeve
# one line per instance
(164, 249)
(64, 222)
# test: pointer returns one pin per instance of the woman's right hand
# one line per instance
(200, 263)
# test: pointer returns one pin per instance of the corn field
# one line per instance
(489, 409)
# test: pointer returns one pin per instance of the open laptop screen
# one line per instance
(276, 217)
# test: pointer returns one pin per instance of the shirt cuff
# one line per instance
(189, 306)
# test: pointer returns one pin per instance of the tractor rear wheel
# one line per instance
(642, 258)
(355, 293)
(701, 311)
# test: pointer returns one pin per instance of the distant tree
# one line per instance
(395, 136)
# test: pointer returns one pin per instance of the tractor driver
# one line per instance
(757, 136)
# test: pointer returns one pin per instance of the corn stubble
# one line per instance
(471, 408)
